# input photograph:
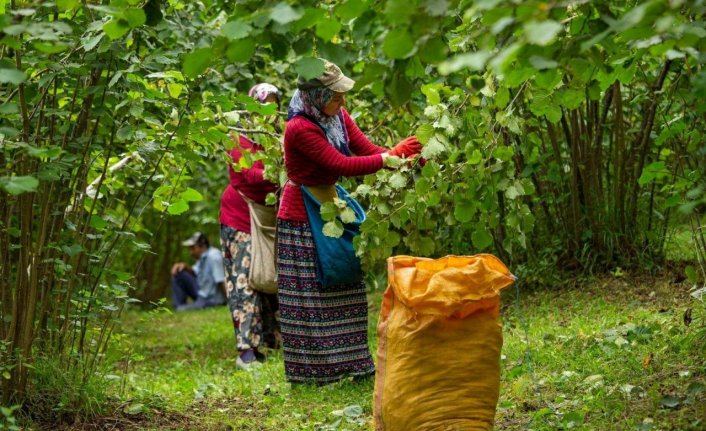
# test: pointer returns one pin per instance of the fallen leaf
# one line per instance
(695, 388)
(648, 360)
(669, 401)
(687, 317)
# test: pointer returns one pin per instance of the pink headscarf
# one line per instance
(261, 91)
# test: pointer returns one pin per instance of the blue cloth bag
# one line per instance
(336, 261)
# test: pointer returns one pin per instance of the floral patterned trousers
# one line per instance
(255, 314)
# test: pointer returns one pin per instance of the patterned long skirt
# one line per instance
(255, 314)
(324, 330)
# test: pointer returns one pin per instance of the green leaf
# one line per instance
(695, 388)
(422, 186)
(471, 60)
(49, 48)
(333, 229)
(542, 33)
(135, 408)
(12, 76)
(175, 90)
(9, 108)
(236, 29)
(196, 62)
(573, 419)
(548, 79)
(178, 207)
(92, 42)
(398, 11)
(476, 157)
(436, 7)
(8, 132)
(512, 192)
(50, 152)
(353, 411)
(571, 98)
(72, 250)
(517, 76)
(327, 29)
(135, 17)
(241, 51)
(284, 13)
(651, 172)
(351, 9)
(340, 203)
(392, 239)
(348, 215)
(398, 43)
(503, 60)
(122, 276)
(309, 67)
(541, 63)
(116, 28)
(432, 93)
(328, 211)
(311, 17)
(191, 195)
(670, 401)
(65, 5)
(464, 210)
(399, 89)
(397, 180)
(16, 185)
(501, 24)
(424, 132)
(434, 199)
(433, 148)
(98, 223)
(553, 113)
(481, 239)
(434, 51)
(502, 97)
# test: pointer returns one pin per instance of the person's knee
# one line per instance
(181, 274)
(180, 277)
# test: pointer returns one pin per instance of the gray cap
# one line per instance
(197, 238)
(332, 78)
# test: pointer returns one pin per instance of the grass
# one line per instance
(612, 354)
(680, 245)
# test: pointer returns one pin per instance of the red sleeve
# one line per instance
(312, 143)
(253, 175)
(358, 142)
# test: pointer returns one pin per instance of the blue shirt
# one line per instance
(209, 272)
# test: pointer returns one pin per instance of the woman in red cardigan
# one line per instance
(254, 314)
(324, 330)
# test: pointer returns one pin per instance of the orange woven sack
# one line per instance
(439, 344)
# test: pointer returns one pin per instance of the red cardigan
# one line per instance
(234, 209)
(311, 160)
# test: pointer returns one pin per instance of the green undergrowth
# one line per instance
(614, 354)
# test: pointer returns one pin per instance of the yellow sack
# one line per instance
(439, 346)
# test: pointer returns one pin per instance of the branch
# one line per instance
(120, 164)
(256, 131)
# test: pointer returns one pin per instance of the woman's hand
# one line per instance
(408, 147)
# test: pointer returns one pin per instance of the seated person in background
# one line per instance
(204, 282)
